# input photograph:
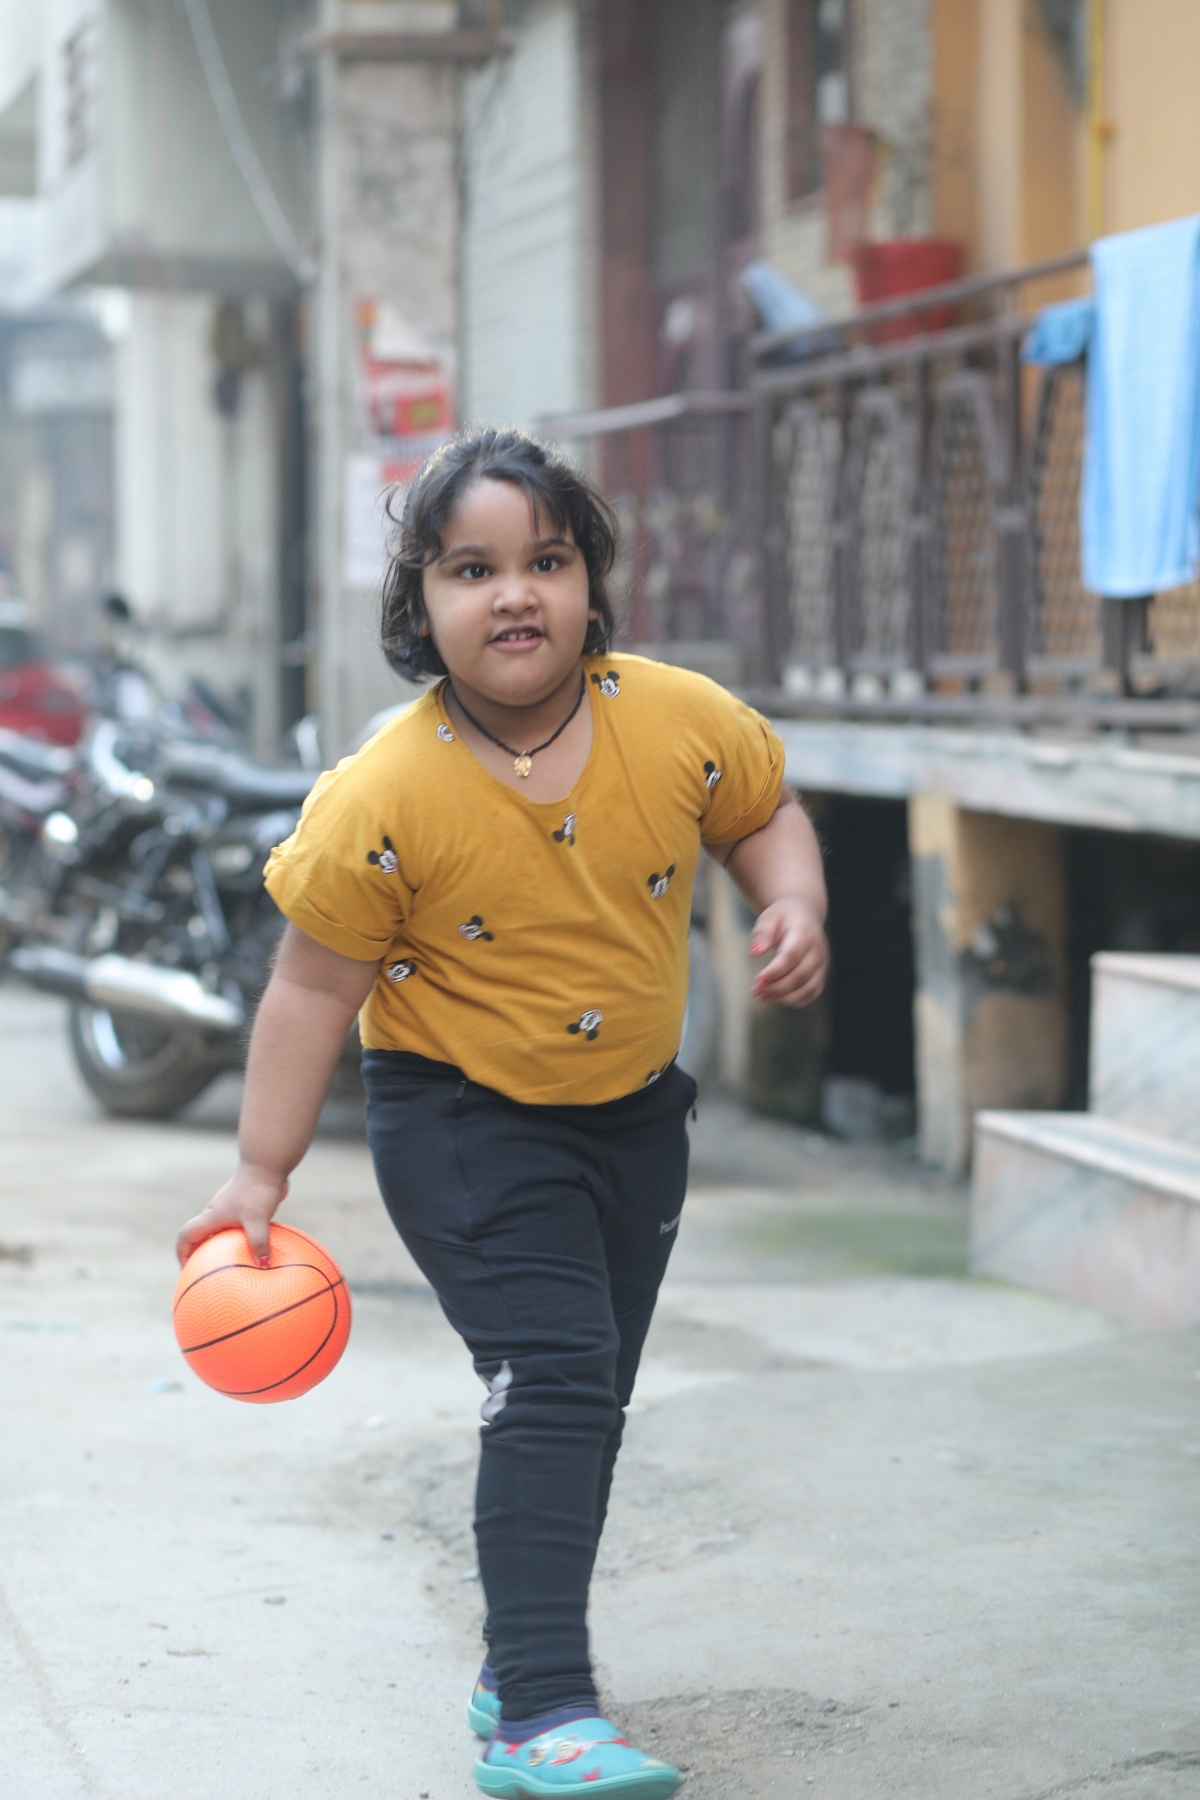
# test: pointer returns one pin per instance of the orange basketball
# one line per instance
(261, 1334)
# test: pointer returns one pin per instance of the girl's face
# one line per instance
(507, 600)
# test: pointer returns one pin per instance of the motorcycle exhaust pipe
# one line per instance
(123, 985)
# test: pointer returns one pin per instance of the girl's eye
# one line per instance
(474, 572)
(546, 565)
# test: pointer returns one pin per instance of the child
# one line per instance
(499, 885)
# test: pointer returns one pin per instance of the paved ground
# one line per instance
(878, 1531)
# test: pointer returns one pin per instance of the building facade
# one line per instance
(884, 548)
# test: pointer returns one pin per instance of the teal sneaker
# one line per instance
(588, 1757)
(483, 1708)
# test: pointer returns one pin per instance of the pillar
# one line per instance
(729, 925)
(990, 920)
(388, 177)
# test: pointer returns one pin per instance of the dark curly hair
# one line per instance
(554, 489)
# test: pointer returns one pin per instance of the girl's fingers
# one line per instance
(258, 1236)
(249, 1204)
(193, 1233)
(798, 994)
(788, 975)
(196, 1231)
(790, 949)
(802, 996)
(795, 953)
(795, 975)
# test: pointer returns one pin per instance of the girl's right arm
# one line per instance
(309, 1005)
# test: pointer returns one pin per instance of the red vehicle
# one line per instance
(34, 698)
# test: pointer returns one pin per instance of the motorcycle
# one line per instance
(166, 942)
(38, 786)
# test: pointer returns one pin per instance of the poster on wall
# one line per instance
(406, 409)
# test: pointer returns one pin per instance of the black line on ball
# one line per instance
(330, 1286)
(249, 1393)
(224, 1268)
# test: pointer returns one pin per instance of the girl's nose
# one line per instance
(513, 597)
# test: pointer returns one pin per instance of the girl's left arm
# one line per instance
(778, 869)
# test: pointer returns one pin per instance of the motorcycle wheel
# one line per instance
(136, 1067)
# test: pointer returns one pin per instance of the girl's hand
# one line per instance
(249, 1199)
(796, 973)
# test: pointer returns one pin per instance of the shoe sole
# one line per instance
(482, 1723)
(513, 1784)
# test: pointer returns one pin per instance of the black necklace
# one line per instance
(522, 759)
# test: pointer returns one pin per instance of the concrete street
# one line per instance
(879, 1531)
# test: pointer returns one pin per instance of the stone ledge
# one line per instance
(1107, 785)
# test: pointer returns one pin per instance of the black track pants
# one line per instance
(545, 1232)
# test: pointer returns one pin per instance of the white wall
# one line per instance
(526, 302)
(20, 45)
(196, 511)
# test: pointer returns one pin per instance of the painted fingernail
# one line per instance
(757, 949)
(264, 1262)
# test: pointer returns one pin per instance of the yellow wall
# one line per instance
(999, 114)
(1052, 148)
(1008, 135)
(1028, 137)
(1152, 67)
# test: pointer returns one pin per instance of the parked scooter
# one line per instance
(171, 931)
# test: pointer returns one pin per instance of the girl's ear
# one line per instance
(423, 628)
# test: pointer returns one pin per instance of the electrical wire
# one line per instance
(241, 148)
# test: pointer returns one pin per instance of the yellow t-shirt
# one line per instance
(541, 947)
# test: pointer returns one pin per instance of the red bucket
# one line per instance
(906, 266)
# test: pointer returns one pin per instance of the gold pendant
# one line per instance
(523, 765)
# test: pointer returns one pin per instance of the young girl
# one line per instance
(499, 885)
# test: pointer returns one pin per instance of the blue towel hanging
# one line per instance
(1141, 475)
(1060, 333)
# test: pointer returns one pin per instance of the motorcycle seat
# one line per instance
(246, 783)
(243, 783)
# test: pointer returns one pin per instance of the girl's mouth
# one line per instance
(518, 637)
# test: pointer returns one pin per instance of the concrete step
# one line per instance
(1100, 1211)
(1145, 1042)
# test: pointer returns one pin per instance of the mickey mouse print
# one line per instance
(386, 859)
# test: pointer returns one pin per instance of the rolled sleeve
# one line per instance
(750, 758)
(287, 891)
(339, 877)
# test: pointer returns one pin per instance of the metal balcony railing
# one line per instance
(889, 526)
(679, 472)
